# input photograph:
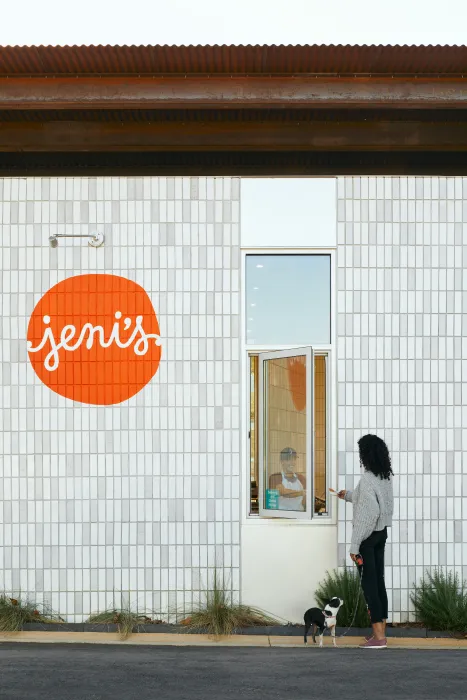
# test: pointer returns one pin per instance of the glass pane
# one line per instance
(320, 442)
(288, 299)
(254, 478)
(285, 439)
(320, 434)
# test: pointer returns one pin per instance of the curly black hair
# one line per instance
(374, 455)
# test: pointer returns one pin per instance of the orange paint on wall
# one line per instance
(95, 339)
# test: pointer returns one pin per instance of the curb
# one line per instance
(295, 631)
(203, 640)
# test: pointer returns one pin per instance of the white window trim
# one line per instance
(331, 351)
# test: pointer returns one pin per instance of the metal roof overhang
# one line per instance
(229, 92)
(289, 116)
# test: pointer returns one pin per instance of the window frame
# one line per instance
(248, 518)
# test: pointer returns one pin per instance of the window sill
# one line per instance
(315, 522)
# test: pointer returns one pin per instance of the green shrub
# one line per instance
(16, 612)
(217, 615)
(344, 584)
(126, 619)
(440, 602)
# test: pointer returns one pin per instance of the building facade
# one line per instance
(294, 316)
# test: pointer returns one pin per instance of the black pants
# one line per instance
(374, 588)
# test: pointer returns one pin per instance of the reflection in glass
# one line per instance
(288, 299)
(319, 467)
(285, 439)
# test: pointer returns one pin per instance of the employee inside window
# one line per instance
(291, 488)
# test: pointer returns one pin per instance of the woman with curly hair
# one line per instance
(372, 502)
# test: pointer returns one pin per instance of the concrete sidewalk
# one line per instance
(111, 672)
(202, 640)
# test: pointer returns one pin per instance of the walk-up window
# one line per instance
(288, 303)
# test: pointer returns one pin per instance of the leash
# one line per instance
(359, 589)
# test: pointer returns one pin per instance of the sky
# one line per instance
(34, 22)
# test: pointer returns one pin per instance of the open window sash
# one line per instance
(285, 434)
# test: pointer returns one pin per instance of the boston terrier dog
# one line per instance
(322, 619)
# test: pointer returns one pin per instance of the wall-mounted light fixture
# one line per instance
(95, 239)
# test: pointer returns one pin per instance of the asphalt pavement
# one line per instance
(106, 672)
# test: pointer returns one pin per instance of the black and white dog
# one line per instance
(322, 619)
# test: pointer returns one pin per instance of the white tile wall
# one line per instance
(152, 518)
(402, 367)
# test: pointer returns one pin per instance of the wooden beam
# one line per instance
(76, 136)
(225, 92)
(231, 163)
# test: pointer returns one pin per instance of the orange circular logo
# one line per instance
(95, 339)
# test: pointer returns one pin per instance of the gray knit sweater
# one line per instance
(373, 506)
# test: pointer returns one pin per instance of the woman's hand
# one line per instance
(341, 494)
(353, 557)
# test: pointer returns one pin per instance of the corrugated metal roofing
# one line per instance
(239, 60)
